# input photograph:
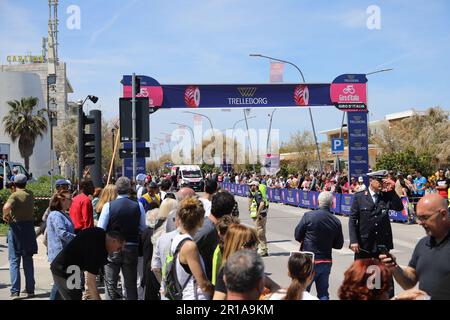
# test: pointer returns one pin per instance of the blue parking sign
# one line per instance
(337, 146)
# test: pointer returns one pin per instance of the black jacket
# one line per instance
(320, 232)
(369, 223)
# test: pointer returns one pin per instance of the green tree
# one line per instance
(302, 144)
(425, 133)
(406, 161)
(24, 123)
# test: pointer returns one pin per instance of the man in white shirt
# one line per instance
(140, 184)
(210, 188)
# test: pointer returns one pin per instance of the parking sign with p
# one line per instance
(337, 146)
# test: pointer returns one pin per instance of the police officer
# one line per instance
(369, 223)
(258, 207)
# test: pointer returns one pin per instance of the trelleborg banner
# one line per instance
(246, 95)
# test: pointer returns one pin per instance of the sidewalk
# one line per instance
(42, 272)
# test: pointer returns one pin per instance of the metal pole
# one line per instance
(4, 174)
(340, 136)
(51, 136)
(133, 119)
(268, 135)
(210, 122)
(249, 140)
(112, 163)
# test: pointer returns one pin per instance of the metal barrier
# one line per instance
(342, 203)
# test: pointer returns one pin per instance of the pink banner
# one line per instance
(154, 94)
(276, 72)
(348, 93)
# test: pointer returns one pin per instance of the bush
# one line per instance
(406, 161)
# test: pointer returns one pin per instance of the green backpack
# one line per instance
(174, 290)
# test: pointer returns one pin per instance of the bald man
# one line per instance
(429, 264)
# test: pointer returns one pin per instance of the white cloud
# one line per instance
(110, 22)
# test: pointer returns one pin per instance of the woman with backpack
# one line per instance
(60, 230)
(186, 279)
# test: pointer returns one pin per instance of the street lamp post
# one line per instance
(210, 122)
(268, 135)
(239, 121)
(309, 108)
(248, 136)
(187, 127)
(161, 141)
(165, 136)
(51, 80)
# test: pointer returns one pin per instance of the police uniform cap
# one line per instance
(62, 182)
(380, 174)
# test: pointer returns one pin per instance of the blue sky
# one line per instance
(209, 42)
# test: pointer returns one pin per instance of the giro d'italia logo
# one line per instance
(301, 95)
(192, 97)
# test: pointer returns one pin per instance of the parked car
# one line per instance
(10, 165)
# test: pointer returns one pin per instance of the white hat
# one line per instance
(360, 179)
(254, 183)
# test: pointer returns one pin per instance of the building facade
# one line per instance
(15, 86)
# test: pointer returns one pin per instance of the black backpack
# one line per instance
(174, 290)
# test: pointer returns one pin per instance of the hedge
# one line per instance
(40, 189)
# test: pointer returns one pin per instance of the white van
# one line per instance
(188, 176)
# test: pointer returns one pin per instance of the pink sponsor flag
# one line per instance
(197, 119)
(276, 72)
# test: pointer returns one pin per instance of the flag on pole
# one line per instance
(197, 119)
(276, 72)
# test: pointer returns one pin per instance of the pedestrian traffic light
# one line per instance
(89, 144)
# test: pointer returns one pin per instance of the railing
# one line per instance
(342, 203)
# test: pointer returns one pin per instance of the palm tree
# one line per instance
(23, 123)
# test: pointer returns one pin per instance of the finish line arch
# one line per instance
(348, 93)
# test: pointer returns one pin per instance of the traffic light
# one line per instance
(142, 120)
(137, 85)
(89, 145)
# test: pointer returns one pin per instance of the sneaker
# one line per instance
(27, 295)
(264, 254)
(14, 296)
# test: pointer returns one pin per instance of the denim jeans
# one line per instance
(54, 294)
(127, 261)
(14, 268)
(64, 292)
(321, 279)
